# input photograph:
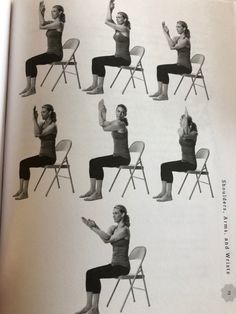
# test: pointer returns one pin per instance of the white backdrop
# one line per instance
(45, 249)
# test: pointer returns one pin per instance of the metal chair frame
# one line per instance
(202, 153)
(135, 147)
(63, 145)
(138, 253)
(73, 44)
(196, 59)
(138, 67)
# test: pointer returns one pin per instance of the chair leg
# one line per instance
(193, 82)
(205, 88)
(210, 185)
(195, 91)
(115, 179)
(132, 180)
(115, 77)
(77, 74)
(40, 179)
(113, 292)
(58, 184)
(71, 182)
(183, 183)
(64, 73)
(197, 182)
(144, 177)
(145, 83)
(52, 182)
(132, 78)
(198, 185)
(132, 290)
(46, 75)
(145, 288)
(179, 84)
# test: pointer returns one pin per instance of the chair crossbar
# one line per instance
(138, 178)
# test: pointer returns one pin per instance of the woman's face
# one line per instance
(44, 113)
(120, 20)
(183, 121)
(180, 29)
(55, 13)
(117, 215)
(120, 113)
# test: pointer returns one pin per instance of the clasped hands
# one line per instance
(88, 222)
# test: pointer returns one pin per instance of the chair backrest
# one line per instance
(62, 149)
(72, 43)
(136, 147)
(138, 253)
(203, 153)
(137, 51)
(198, 58)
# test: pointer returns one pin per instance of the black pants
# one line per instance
(33, 162)
(44, 58)
(179, 166)
(93, 276)
(164, 69)
(96, 164)
(98, 64)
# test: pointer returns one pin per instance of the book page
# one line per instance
(46, 249)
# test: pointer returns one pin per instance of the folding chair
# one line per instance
(197, 73)
(138, 148)
(71, 44)
(137, 254)
(202, 153)
(136, 66)
(62, 149)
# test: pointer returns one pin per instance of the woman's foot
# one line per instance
(95, 196)
(17, 193)
(93, 311)
(24, 91)
(161, 97)
(22, 196)
(87, 194)
(89, 89)
(165, 198)
(155, 94)
(84, 310)
(96, 91)
(159, 195)
(31, 91)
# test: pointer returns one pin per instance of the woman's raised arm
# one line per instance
(110, 22)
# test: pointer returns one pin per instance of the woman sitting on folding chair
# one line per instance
(122, 55)
(118, 236)
(182, 45)
(120, 156)
(54, 52)
(46, 131)
(187, 140)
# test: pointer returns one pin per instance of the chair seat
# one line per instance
(131, 68)
(193, 75)
(131, 167)
(57, 166)
(131, 276)
(64, 63)
(197, 172)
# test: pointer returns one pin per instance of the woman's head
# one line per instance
(58, 12)
(123, 19)
(120, 214)
(48, 112)
(187, 121)
(182, 27)
(121, 113)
